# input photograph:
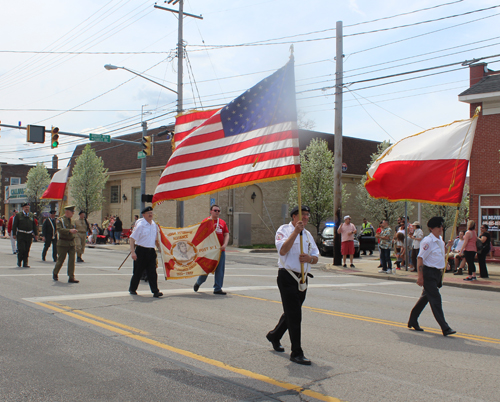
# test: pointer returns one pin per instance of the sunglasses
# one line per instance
(216, 210)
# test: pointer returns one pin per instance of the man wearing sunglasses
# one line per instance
(223, 235)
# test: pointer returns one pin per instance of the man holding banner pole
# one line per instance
(292, 291)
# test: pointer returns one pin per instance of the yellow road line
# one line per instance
(380, 321)
(216, 363)
(95, 317)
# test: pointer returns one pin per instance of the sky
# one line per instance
(52, 57)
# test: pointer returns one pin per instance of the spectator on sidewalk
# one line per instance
(117, 229)
(458, 259)
(366, 230)
(347, 230)
(377, 232)
(9, 231)
(417, 237)
(481, 257)
(469, 249)
(385, 247)
(400, 249)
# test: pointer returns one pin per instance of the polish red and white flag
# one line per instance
(428, 167)
(57, 185)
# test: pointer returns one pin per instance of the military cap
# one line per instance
(24, 204)
(147, 209)
(295, 210)
(53, 211)
(81, 212)
(70, 208)
(435, 222)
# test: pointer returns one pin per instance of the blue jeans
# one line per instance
(117, 236)
(219, 274)
(385, 258)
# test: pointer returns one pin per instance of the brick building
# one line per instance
(266, 202)
(484, 186)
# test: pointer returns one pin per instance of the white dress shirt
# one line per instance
(418, 236)
(291, 259)
(145, 234)
(432, 251)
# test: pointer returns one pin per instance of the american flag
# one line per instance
(252, 139)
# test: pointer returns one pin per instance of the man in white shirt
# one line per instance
(455, 254)
(430, 265)
(142, 250)
(288, 238)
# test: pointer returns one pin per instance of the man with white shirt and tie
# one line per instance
(143, 240)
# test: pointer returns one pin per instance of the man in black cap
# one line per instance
(66, 244)
(430, 265)
(49, 235)
(293, 293)
(24, 229)
(143, 240)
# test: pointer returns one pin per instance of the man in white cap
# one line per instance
(347, 230)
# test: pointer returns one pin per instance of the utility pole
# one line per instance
(337, 170)
(180, 57)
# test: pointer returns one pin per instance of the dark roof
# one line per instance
(356, 153)
(118, 157)
(490, 83)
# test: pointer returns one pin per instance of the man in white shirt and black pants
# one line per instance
(143, 240)
(430, 266)
(289, 274)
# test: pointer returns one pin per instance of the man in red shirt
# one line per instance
(223, 235)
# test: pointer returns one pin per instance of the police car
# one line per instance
(326, 241)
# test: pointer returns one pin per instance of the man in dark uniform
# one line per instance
(143, 240)
(24, 229)
(66, 244)
(430, 265)
(49, 235)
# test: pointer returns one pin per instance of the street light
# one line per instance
(112, 67)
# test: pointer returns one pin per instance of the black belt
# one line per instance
(145, 248)
(426, 266)
(297, 274)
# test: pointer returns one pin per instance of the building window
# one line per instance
(491, 217)
(15, 180)
(136, 196)
(115, 195)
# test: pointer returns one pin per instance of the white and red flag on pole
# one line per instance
(252, 139)
(57, 185)
(428, 167)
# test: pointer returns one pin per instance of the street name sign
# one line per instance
(100, 137)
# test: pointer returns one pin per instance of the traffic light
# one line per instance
(147, 147)
(54, 137)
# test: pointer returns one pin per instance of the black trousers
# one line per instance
(291, 299)
(430, 294)
(146, 261)
(46, 246)
(469, 257)
(24, 241)
(481, 258)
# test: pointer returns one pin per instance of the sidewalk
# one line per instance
(367, 266)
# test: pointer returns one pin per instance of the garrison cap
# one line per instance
(24, 204)
(81, 212)
(435, 222)
(52, 211)
(147, 209)
(70, 208)
(295, 210)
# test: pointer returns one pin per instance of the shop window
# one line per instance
(491, 217)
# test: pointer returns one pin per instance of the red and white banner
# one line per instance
(57, 185)
(189, 251)
(429, 167)
(252, 139)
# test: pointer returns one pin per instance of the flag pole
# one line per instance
(300, 218)
(448, 248)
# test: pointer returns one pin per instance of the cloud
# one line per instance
(353, 6)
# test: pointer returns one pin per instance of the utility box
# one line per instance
(242, 235)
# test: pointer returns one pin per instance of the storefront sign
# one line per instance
(15, 194)
(492, 221)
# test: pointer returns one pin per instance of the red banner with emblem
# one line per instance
(189, 251)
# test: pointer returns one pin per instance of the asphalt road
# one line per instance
(93, 341)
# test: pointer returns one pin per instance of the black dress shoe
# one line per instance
(43, 259)
(415, 326)
(55, 277)
(219, 292)
(158, 294)
(196, 287)
(73, 280)
(132, 292)
(276, 344)
(449, 331)
(300, 360)
(26, 266)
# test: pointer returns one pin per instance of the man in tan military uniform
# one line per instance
(66, 244)
(24, 229)
(82, 226)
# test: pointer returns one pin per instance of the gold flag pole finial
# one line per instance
(291, 51)
(476, 112)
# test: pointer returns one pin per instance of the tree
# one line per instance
(379, 209)
(88, 180)
(316, 182)
(303, 123)
(38, 179)
(448, 212)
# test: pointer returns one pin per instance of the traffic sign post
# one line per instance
(100, 137)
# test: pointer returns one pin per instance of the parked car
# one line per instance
(326, 241)
(367, 242)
